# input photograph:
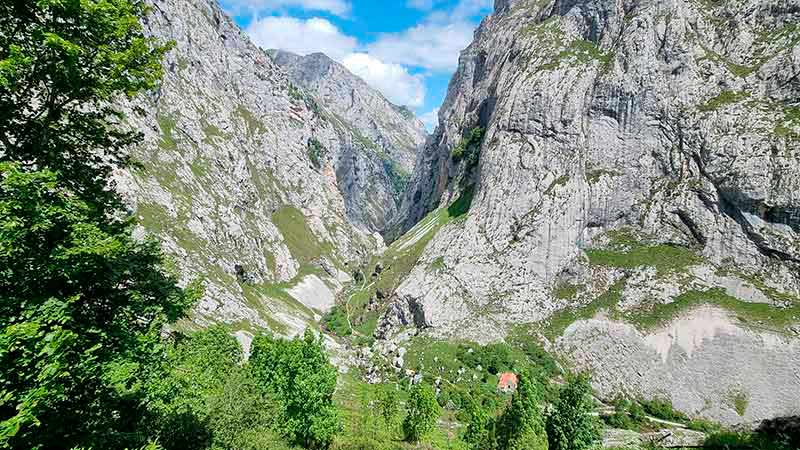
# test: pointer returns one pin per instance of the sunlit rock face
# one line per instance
(631, 155)
(252, 183)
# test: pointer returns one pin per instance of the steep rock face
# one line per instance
(395, 129)
(246, 178)
(626, 161)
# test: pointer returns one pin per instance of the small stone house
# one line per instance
(507, 383)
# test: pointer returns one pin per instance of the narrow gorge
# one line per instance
(617, 180)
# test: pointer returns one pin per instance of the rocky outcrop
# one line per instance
(251, 182)
(398, 133)
(628, 160)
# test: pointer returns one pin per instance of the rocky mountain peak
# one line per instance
(398, 133)
(256, 182)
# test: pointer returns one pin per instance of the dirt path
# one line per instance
(363, 287)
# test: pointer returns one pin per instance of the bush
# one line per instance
(469, 148)
(704, 426)
(200, 394)
(423, 412)
(662, 408)
(336, 322)
(297, 373)
(495, 358)
(628, 415)
(388, 405)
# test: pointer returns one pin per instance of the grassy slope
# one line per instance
(629, 252)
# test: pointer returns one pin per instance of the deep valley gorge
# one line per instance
(612, 189)
(624, 158)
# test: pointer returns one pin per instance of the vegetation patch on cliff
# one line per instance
(607, 302)
(725, 98)
(627, 251)
(758, 315)
(298, 237)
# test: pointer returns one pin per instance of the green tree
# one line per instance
(480, 433)
(82, 304)
(521, 426)
(302, 380)
(571, 425)
(423, 412)
(62, 64)
(242, 416)
(389, 405)
(190, 385)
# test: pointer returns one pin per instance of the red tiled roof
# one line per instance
(507, 379)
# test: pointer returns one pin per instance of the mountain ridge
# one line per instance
(387, 124)
(250, 183)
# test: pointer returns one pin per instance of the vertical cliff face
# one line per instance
(392, 134)
(627, 163)
(251, 182)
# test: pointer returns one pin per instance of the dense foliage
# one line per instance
(82, 304)
(571, 424)
(302, 380)
(520, 426)
(336, 322)
(62, 63)
(81, 309)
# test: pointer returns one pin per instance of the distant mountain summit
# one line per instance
(396, 130)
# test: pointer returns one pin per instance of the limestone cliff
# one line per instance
(251, 183)
(395, 129)
(633, 169)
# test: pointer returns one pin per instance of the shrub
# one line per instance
(469, 148)
(423, 412)
(180, 394)
(337, 323)
(494, 357)
(316, 153)
(704, 426)
(662, 408)
(628, 415)
(388, 405)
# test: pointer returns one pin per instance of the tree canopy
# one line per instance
(82, 303)
(298, 374)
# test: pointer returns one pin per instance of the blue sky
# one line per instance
(407, 49)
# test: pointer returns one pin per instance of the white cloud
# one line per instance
(319, 35)
(335, 7)
(435, 43)
(430, 119)
(301, 36)
(393, 80)
(429, 45)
